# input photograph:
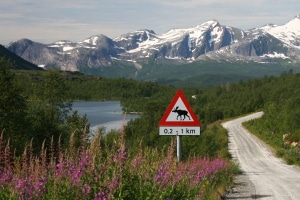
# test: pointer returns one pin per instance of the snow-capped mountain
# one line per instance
(179, 43)
(209, 40)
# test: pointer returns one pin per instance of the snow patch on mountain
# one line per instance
(91, 41)
(289, 32)
(66, 48)
(275, 55)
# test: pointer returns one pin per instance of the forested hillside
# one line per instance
(277, 96)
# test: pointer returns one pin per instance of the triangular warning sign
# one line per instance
(179, 113)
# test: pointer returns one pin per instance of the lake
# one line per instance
(103, 113)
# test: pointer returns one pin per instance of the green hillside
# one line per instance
(211, 73)
(276, 95)
(204, 73)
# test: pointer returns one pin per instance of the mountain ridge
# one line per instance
(209, 40)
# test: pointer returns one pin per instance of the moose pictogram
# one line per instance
(180, 113)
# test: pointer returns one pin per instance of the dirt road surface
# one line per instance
(264, 176)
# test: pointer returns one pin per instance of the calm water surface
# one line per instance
(103, 113)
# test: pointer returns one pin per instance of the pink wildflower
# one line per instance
(100, 196)
(137, 162)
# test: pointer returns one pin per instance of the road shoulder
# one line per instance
(243, 188)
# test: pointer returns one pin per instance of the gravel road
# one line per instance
(264, 176)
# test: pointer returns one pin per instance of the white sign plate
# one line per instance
(179, 130)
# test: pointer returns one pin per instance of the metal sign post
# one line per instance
(178, 148)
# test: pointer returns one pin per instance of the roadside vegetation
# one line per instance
(45, 153)
(280, 125)
(97, 170)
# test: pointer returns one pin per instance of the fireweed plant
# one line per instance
(102, 173)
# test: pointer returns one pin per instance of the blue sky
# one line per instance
(47, 21)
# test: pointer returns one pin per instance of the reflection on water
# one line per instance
(107, 114)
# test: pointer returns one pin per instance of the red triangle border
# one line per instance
(179, 94)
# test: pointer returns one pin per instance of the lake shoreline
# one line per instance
(108, 114)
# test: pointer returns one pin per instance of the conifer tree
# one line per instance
(12, 105)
